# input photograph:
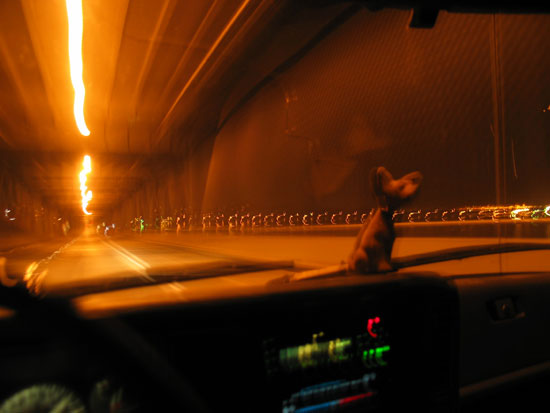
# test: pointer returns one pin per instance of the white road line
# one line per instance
(33, 278)
(131, 258)
(125, 251)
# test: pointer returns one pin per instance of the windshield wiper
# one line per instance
(421, 259)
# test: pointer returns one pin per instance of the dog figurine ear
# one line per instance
(407, 186)
(395, 192)
(374, 244)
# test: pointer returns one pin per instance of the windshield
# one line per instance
(177, 140)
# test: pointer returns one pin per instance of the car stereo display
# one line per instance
(330, 371)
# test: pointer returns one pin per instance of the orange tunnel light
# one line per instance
(74, 13)
(86, 194)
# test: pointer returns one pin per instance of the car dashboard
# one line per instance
(345, 343)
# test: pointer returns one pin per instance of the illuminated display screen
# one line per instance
(316, 354)
(330, 371)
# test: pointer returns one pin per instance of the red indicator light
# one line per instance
(370, 324)
(352, 399)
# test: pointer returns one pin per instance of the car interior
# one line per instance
(230, 154)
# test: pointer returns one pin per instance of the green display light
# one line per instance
(374, 357)
(379, 355)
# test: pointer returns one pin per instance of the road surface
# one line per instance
(70, 264)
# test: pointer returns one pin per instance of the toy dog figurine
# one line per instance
(373, 247)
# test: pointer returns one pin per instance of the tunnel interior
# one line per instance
(267, 107)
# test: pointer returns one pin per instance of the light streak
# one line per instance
(30, 271)
(204, 61)
(74, 14)
(515, 212)
(86, 195)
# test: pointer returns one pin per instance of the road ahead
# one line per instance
(91, 258)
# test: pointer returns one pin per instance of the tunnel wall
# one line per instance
(376, 92)
(176, 188)
(373, 93)
(23, 211)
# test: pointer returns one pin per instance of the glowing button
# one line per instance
(370, 324)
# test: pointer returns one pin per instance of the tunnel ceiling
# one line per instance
(158, 76)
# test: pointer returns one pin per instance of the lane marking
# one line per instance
(137, 262)
(34, 278)
(125, 251)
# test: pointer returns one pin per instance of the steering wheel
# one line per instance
(114, 334)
